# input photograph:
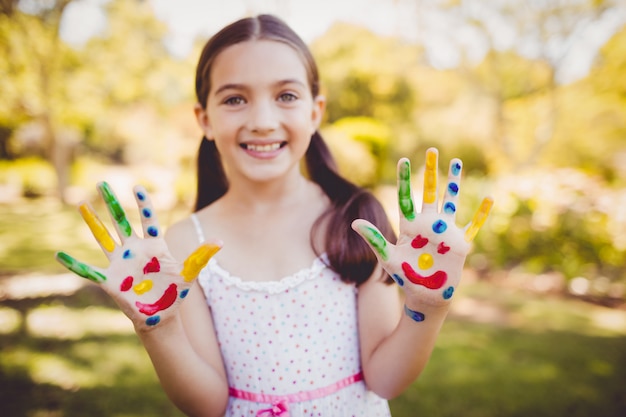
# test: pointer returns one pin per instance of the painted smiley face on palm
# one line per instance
(143, 278)
(431, 248)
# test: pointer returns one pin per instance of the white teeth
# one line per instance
(263, 148)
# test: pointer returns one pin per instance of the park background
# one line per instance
(530, 94)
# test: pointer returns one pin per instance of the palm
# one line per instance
(427, 260)
(142, 277)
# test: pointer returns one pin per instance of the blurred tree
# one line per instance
(368, 81)
(59, 96)
(593, 137)
(542, 31)
(33, 56)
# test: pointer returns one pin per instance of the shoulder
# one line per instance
(182, 238)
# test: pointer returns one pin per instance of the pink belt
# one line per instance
(280, 402)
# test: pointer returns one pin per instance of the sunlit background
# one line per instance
(531, 94)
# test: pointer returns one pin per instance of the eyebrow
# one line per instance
(235, 86)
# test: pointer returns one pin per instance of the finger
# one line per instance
(115, 209)
(148, 216)
(405, 195)
(198, 260)
(452, 190)
(373, 237)
(479, 219)
(430, 180)
(80, 268)
(98, 229)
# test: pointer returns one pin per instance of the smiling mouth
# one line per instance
(433, 281)
(269, 147)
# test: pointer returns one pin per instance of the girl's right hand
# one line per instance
(142, 277)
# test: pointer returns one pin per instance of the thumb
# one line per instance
(372, 236)
(198, 260)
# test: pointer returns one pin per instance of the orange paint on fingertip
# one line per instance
(198, 260)
(430, 177)
(479, 219)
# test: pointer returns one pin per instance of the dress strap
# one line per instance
(199, 231)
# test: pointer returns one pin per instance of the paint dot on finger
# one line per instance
(153, 231)
(141, 196)
(439, 226)
(147, 213)
(455, 168)
(449, 208)
(453, 188)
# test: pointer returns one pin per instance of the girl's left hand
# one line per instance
(427, 260)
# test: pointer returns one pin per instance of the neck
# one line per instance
(264, 196)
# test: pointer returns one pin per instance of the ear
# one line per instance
(203, 121)
(319, 106)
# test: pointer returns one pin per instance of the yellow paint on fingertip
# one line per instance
(430, 178)
(425, 261)
(198, 260)
(479, 219)
(143, 287)
(97, 228)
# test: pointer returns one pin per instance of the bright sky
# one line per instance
(441, 33)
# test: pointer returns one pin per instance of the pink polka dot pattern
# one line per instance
(288, 336)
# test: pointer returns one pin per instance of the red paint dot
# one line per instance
(126, 284)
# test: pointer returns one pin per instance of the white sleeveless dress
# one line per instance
(290, 347)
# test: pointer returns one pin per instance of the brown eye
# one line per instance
(287, 97)
(234, 101)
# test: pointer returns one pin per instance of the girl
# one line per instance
(295, 315)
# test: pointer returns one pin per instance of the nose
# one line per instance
(263, 117)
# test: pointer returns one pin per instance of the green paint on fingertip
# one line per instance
(115, 208)
(79, 268)
(376, 240)
(404, 191)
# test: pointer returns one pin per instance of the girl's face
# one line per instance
(260, 111)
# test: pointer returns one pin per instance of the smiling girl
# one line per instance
(295, 315)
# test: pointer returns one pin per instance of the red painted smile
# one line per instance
(167, 299)
(433, 282)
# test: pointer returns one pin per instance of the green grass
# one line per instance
(503, 352)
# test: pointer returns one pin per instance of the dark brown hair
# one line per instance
(347, 254)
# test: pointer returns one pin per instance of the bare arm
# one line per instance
(157, 293)
(394, 348)
(427, 263)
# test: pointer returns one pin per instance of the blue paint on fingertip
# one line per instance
(456, 168)
(449, 208)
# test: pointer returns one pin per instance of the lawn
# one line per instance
(65, 350)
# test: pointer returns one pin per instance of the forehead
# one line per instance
(257, 61)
